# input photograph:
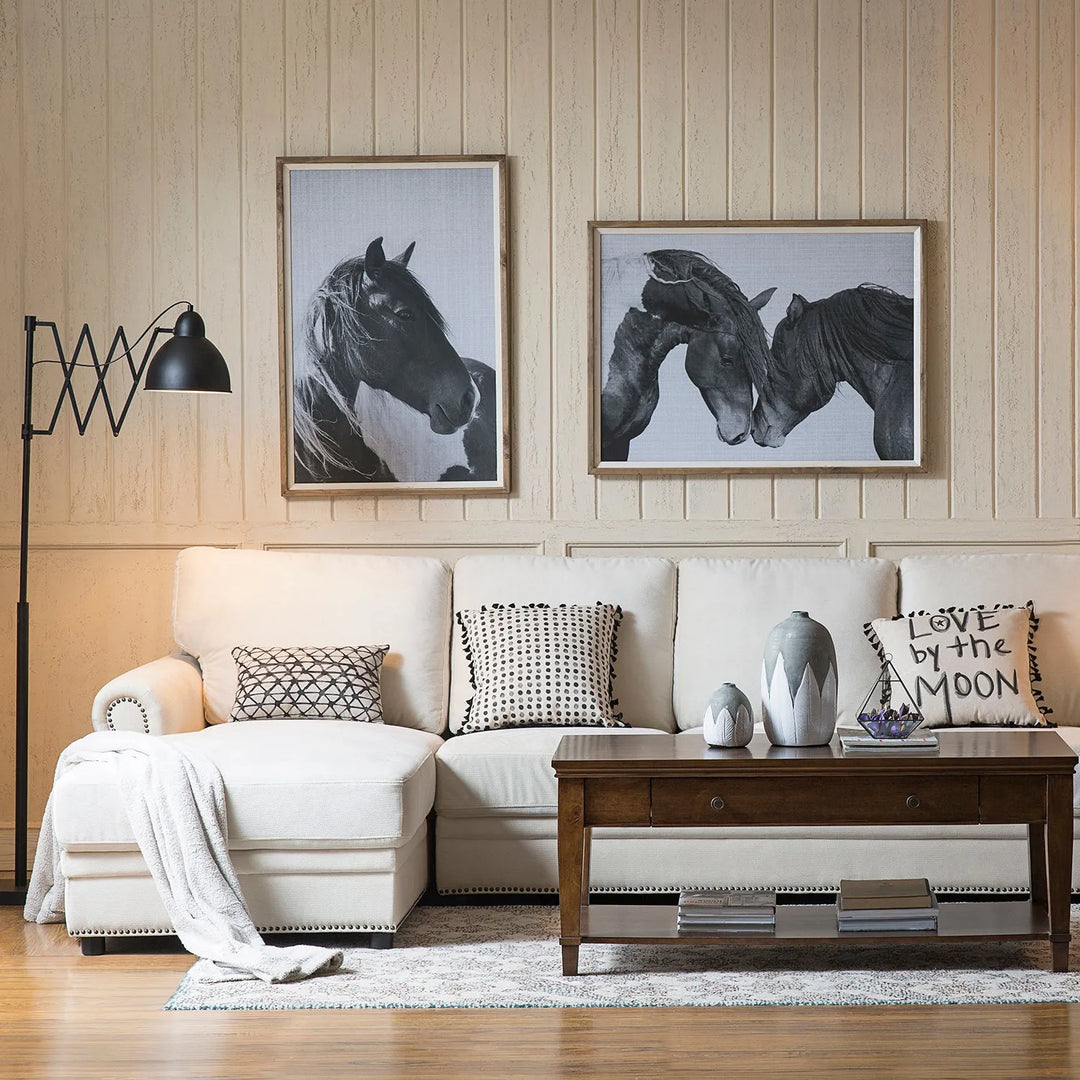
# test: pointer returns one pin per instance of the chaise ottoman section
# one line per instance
(326, 818)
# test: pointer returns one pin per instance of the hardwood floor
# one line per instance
(65, 1016)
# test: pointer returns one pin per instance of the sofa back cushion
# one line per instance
(1050, 582)
(225, 598)
(728, 606)
(643, 587)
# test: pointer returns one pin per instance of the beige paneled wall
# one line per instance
(140, 140)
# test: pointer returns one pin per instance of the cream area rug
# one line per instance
(508, 957)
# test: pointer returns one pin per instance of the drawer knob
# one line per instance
(716, 802)
(913, 802)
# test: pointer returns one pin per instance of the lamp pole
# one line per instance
(186, 362)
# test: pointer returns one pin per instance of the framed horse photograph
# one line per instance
(393, 310)
(756, 346)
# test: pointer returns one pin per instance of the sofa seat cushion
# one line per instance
(505, 772)
(288, 783)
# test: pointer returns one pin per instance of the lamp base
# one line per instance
(11, 895)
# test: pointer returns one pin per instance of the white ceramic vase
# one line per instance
(729, 717)
(798, 683)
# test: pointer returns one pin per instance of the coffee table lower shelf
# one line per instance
(630, 924)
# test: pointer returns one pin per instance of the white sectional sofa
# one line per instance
(331, 821)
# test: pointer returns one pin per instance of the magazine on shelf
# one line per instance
(725, 900)
(858, 893)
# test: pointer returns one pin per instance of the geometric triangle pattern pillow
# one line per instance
(338, 683)
(966, 666)
(536, 665)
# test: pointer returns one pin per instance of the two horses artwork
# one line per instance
(379, 393)
(862, 336)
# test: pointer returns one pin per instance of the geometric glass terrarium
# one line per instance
(888, 711)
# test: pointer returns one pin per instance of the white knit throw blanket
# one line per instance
(175, 801)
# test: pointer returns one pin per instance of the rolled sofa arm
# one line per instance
(160, 698)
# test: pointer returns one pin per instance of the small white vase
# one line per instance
(798, 683)
(729, 717)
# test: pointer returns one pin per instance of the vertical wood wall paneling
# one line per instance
(839, 170)
(262, 126)
(750, 173)
(12, 226)
(529, 141)
(484, 132)
(662, 122)
(573, 194)
(705, 174)
(352, 134)
(219, 293)
(794, 180)
(440, 118)
(46, 240)
(86, 139)
(175, 94)
(618, 176)
(1015, 259)
(928, 199)
(307, 130)
(397, 131)
(1056, 236)
(884, 86)
(972, 305)
(130, 218)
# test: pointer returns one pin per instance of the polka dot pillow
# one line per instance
(542, 666)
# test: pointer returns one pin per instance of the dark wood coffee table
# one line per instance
(988, 777)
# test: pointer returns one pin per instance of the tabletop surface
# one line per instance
(1030, 748)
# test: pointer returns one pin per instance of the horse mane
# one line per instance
(340, 330)
(747, 322)
(867, 321)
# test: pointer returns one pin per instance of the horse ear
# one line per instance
(762, 298)
(797, 306)
(406, 255)
(374, 258)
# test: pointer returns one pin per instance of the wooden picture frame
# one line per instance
(790, 346)
(393, 306)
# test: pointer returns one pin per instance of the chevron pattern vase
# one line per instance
(798, 683)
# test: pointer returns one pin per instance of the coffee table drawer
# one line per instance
(894, 800)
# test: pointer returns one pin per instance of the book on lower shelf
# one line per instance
(886, 904)
(727, 910)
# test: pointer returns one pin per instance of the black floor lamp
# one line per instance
(185, 362)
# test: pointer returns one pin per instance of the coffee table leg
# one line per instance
(1037, 863)
(1059, 844)
(572, 887)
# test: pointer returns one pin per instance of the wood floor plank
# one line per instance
(68, 1017)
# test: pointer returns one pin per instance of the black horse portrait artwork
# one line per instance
(687, 300)
(380, 395)
(864, 337)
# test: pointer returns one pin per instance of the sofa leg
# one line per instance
(382, 941)
(92, 946)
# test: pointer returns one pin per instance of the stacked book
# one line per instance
(867, 744)
(725, 911)
(886, 904)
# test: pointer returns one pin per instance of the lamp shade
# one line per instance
(187, 361)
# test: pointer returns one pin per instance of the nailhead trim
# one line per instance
(126, 699)
(159, 931)
(636, 889)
